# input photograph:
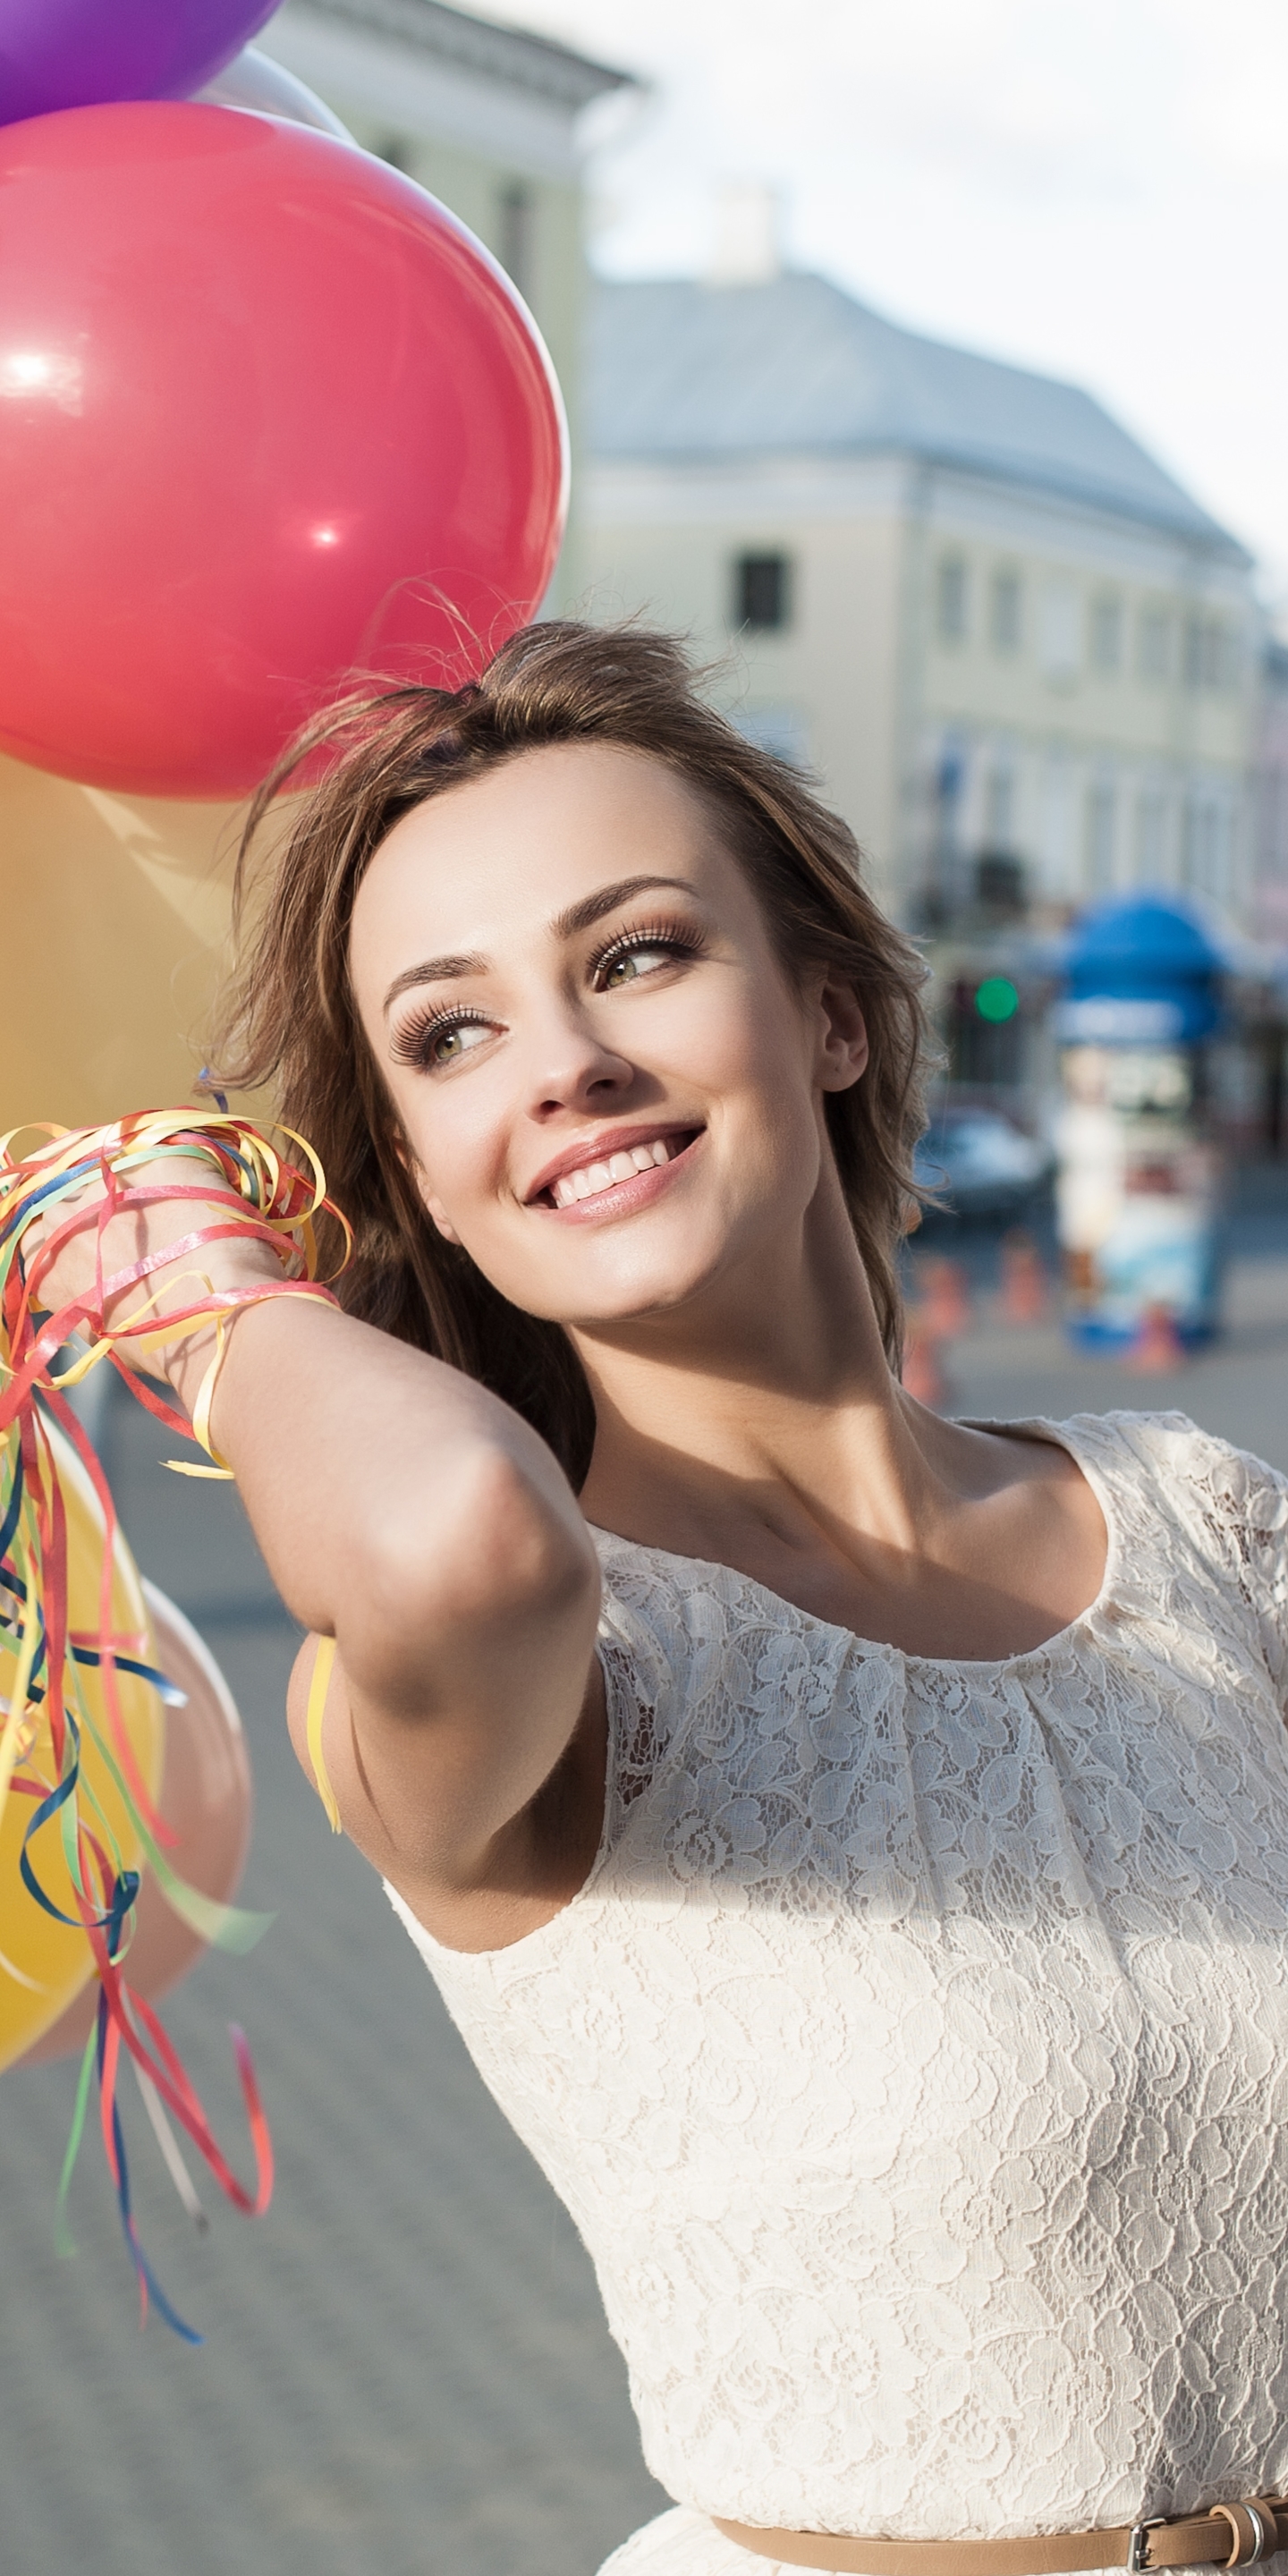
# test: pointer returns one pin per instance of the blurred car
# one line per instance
(981, 1163)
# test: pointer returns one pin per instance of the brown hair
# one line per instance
(292, 1019)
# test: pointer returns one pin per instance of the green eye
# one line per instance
(630, 963)
(444, 1042)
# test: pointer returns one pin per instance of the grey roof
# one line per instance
(509, 54)
(682, 370)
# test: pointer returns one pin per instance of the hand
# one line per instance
(136, 1235)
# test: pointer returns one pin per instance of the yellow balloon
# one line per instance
(43, 1964)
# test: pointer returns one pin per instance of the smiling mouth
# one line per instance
(599, 1175)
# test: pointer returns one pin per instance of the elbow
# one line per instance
(491, 1550)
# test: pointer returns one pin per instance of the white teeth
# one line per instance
(590, 1179)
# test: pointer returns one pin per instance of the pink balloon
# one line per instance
(205, 1798)
(268, 416)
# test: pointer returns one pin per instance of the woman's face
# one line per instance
(611, 1093)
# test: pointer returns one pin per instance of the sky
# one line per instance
(1096, 188)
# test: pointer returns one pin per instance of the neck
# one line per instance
(765, 1405)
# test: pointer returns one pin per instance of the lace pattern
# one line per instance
(915, 2060)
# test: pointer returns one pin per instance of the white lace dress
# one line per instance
(914, 2061)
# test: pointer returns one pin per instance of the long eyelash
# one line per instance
(679, 935)
(412, 1044)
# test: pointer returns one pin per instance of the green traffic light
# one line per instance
(996, 998)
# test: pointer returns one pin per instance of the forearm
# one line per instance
(400, 1507)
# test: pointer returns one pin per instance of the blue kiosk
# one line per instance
(1138, 1191)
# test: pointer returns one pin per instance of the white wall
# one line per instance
(1093, 768)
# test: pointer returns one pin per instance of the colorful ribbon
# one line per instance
(273, 1201)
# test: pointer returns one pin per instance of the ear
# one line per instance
(843, 1037)
(438, 1216)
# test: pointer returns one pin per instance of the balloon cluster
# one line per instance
(269, 415)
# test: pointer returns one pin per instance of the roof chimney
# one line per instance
(746, 249)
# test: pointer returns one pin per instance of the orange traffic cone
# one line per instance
(923, 1376)
(945, 1298)
(1158, 1348)
(1025, 1289)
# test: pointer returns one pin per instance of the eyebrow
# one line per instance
(566, 925)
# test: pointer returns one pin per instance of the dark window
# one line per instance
(1107, 631)
(951, 599)
(999, 889)
(1006, 611)
(762, 591)
(1209, 657)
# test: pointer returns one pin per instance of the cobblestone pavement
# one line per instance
(407, 2371)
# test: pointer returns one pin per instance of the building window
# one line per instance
(762, 593)
(1151, 831)
(1004, 618)
(1208, 654)
(517, 214)
(950, 600)
(1107, 631)
(1154, 643)
(999, 810)
(1102, 822)
(1206, 846)
(1001, 891)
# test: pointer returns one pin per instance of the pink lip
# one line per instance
(625, 1196)
(598, 1148)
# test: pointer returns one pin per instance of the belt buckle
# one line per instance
(1138, 2545)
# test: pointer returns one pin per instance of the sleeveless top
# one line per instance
(914, 2061)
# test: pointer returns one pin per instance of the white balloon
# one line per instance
(254, 82)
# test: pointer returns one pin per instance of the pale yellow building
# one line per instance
(1020, 657)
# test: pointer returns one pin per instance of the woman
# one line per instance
(854, 1846)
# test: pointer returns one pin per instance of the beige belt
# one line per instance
(1226, 2535)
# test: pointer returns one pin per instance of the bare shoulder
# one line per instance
(993, 1458)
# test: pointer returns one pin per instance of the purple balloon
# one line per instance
(80, 53)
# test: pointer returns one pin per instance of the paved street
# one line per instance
(1239, 1389)
(406, 2372)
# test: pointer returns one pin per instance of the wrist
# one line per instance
(196, 1366)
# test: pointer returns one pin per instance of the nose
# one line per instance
(571, 1068)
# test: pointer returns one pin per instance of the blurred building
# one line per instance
(488, 118)
(1022, 659)
(1272, 796)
